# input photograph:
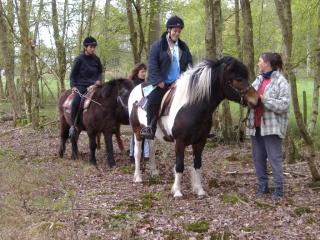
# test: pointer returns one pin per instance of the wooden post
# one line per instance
(304, 107)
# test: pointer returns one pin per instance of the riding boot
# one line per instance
(74, 116)
(152, 117)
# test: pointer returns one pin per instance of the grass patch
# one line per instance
(127, 169)
(263, 205)
(315, 184)
(311, 220)
(302, 210)
(231, 198)
(172, 235)
(154, 181)
(199, 227)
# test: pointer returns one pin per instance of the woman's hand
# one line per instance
(73, 89)
(161, 85)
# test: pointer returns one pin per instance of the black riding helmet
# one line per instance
(90, 41)
(175, 21)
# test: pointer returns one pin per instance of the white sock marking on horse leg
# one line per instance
(196, 182)
(153, 165)
(176, 188)
(137, 158)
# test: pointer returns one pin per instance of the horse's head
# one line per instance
(118, 90)
(236, 86)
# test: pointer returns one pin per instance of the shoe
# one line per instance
(277, 194)
(147, 133)
(263, 189)
(72, 131)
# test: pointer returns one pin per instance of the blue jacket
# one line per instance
(160, 60)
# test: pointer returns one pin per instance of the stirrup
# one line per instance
(146, 132)
(73, 131)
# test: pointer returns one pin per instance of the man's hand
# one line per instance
(172, 85)
(98, 83)
(161, 85)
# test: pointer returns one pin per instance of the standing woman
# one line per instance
(268, 123)
(138, 76)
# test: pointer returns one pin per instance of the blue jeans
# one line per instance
(145, 147)
(263, 148)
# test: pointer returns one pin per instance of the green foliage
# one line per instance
(230, 198)
(222, 234)
(199, 227)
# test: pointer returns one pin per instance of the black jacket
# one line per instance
(86, 70)
(137, 81)
(160, 60)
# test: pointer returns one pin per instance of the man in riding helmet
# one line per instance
(168, 58)
(86, 71)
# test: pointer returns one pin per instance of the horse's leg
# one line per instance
(92, 145)
(64, 133)
(109, 148)
(119, 140)
(98, 140)
(176, 188)
(137, 160)
(196, 170)
(153, 165)
(74, 142)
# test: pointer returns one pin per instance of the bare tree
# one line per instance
(137, 38)
(60, 46)
(283, 8)
(154, 23)
(90, 17)
(7, 50)
(316, 82)
(247, 36)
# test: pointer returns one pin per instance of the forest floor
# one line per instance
(45, 197)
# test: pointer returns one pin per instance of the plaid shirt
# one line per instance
(276, 103)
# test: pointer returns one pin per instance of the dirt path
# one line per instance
(44, 197)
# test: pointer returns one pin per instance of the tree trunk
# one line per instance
(2, 94)
(105, 34)
(59, 42)
(154, 24)
(248, 47)
(210, 36)
(81, 26)
(25, 41)
(316, 82)
(136, 39)
(283, 8)
(90, 17)
(7, 50)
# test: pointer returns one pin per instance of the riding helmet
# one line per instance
(174, 22)
(90, 41)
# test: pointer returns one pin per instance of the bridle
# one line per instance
(241, 93)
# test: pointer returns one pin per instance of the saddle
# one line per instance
(84, 103)
(166, 103)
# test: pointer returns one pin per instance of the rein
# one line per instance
(83, 96)
(119, 100)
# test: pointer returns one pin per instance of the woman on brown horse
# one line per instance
(98, 117)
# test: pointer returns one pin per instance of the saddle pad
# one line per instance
(67, 103)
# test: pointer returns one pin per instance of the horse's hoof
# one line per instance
(94, 163)
(137, 179)
(112, 165)
(201, 193)
(177, 194)
(60, 154)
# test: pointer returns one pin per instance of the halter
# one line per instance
(241, 93)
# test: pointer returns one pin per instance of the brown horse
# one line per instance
(99, 117)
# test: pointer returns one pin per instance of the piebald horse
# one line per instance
(198, 93)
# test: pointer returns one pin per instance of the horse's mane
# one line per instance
(195, 85)
(109, 86)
